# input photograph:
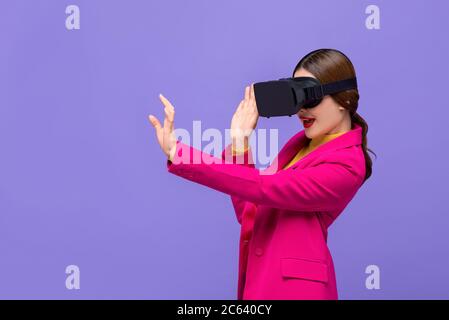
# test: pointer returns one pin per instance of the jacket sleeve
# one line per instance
(243, 158)
(323, 187)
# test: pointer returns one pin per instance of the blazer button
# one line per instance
(259, 252)
(245, 241)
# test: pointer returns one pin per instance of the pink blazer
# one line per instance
(284, 214)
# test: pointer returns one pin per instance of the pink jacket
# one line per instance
(284, 252)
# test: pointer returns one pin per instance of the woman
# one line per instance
(285, 215)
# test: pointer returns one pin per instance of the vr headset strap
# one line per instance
(318, 92)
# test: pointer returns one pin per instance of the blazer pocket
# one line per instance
(307, 269)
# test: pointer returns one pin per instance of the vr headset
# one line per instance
(286, 96)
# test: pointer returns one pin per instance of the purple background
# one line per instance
(83, 181)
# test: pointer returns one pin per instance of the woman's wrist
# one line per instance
(240, 144)
(171, 153)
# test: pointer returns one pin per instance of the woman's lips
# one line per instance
(307, 122)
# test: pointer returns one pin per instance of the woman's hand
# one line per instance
(244, 119)
(165, 135)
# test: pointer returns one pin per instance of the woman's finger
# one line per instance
(253, 97)
(251, 92)
(157, 126)
(168, 127)
(169, 112)
(166, 102)
(169, 118)
(247, 92)
(155, 122)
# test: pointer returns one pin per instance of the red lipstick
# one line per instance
(307, 121)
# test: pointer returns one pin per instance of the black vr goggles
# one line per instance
(286, 96)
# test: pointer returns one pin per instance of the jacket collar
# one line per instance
(295, 143)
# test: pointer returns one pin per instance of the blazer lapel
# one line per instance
(298, 141)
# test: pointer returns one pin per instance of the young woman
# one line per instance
(284, 215)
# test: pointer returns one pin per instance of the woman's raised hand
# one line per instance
(246, 115)
(245, 118)
(165, 135)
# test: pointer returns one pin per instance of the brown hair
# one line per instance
(329, 65)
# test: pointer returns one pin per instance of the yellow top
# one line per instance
(314, 143)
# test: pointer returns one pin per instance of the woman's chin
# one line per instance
(308, 133)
